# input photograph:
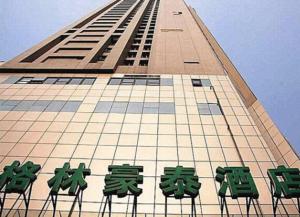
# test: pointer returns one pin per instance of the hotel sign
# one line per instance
(124, 180)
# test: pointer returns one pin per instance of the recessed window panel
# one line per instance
(150, 80)
(203, 109)
(75, 81)
(62, 81)
(88, 81)
(201, 83)
(37, 80)
(115, 81)
(153, 82)
(50, 81)
(54, 80)
(24, 80)
(209, 109)
(140, 81)
(11, 80)
(128, 81)
(215, 109)
(196, 83)
(206, 83)
(40, 105)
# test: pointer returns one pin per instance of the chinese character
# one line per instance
(123, 179)
(17, 178)
(239, 180)
(286, 181)
(73, 179)
(61, 174)
(8, 173)
(180, 181)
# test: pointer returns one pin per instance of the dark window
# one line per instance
(37, 80)
(201, 83)
(151, 80)
(196, 83)
(177, 12)
(56, 80)
(24, 80)
(191, 62)
(144, 63)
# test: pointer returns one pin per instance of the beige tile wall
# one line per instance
(151, 140)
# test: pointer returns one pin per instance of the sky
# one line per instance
(261, 37)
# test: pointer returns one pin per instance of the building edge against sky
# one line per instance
(282, 150)
(159, 37)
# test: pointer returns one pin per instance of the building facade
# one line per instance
(139, 82)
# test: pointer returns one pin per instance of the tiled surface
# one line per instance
(153, 139)
(283, 151)
(39, 105)
(123, 107)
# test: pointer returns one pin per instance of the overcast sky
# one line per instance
(262, 38)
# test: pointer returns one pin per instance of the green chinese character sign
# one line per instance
(17, 179)
(66, 178)
(122, 180)
(8, 174)
(285, 182)
(239, 180)
(179, 181)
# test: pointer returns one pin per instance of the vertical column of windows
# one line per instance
(139, 50)
(121, 28)
(144, 58)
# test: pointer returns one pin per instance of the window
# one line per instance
(56, 80)
(191, 62)
(177, 12)
(24, 80)
(62, 81)
(196, 83)
(88, 81)
(143, 62)
(149, 80)
(209, 109)
(201, 83)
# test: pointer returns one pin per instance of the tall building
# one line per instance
(140, 82)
